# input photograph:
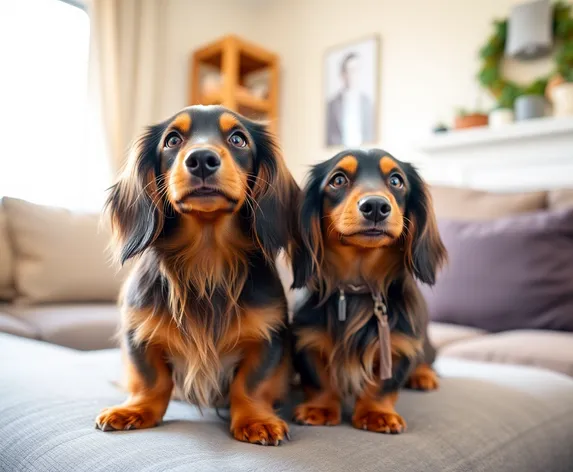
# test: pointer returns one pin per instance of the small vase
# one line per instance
(529, 106)
(562, 98)
(500, 117)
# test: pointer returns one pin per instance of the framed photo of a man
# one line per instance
(351, 93)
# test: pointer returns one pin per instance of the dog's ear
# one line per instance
(307, 257)
(275, 195)
(133, 203)
(425, 252)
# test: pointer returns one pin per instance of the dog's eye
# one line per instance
(173, 140)
(338, 180)
(396, 180)
(238, 139)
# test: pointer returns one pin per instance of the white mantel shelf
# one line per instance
(527, 155)
(522, 130)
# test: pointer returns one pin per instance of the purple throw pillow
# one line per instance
(511, 273)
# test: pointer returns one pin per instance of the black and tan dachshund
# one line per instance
(368, 231)
(204, 205)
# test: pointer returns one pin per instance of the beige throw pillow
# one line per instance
(59, 255)
(6, 259)
(469, 204)
(562, 198)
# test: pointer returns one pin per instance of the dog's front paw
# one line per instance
(423, 378)
(270, 431)
(317, 415)
(118, 418)
(379, 422)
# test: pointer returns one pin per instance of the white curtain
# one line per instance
(127, 45)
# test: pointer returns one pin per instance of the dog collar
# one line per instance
(380, 312)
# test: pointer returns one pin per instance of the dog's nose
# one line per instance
(375, 208)
(202, 162)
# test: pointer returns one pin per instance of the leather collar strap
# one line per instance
(381, 313)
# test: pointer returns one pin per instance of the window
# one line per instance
(44, 50)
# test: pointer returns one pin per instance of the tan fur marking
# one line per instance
(227, 122)
(387, 165)
(348, 164)
(182, 123)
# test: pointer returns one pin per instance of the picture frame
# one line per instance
(351, 83)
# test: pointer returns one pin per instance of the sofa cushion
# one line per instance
(79, 326)
(484, 417)
(6, 259)
(59, 255)
(469, 204)
(13, 325)
(562, 198)
(510, 273)
(442, 334)
(548, 349)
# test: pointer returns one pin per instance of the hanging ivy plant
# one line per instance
(506, 91)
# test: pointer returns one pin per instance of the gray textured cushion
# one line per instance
(84, 326)
(460, 203)
(484, 418)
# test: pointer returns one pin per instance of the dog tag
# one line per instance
(381, 313)
(341, 306)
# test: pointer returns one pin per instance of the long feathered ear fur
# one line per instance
(275, 194)
(425, 252)
(307, 257)
(133, 203)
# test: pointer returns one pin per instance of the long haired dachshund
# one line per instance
(203, 205)
(368, 230)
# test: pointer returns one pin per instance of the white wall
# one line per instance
(192, 24)
(428, 59)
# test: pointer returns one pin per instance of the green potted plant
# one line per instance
(531, 103)
(469, 119)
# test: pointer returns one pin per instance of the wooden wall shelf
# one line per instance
(520, 131)
(235, 58)
(528, 155)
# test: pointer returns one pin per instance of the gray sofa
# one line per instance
(485, 417)
(57, 291)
